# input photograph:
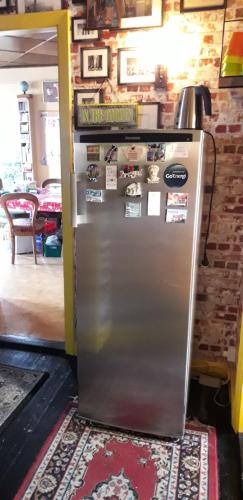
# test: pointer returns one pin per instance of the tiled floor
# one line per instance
(31, 296)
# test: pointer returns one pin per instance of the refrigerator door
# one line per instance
(135, 286)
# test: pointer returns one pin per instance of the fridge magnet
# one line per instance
(154, 203)
(111, 154)
(153, 171)
(133, 152)
(95, 195)
(177, 199)
(175, 175)
(132, 209)
(134, 189)
(93, 153)
(93, 172)
(177, 216)
(131, 172)
(111, 177)
(156, 152)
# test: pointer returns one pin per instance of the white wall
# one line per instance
(9, 127)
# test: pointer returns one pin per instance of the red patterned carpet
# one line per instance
(90, 463)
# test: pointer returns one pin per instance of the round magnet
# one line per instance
(175, 175)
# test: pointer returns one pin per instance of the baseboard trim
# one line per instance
(30, 343)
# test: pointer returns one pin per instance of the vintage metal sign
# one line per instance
(106, 115)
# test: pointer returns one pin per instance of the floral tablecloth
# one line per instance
(48, 202)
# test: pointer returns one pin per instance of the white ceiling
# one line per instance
(28, 48)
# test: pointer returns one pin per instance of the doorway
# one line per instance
(58, 21)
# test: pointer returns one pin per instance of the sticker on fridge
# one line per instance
(132, 209)
(94, 195)
(177, 199)
(111, 177)
(176, 150)
(176, 215)
(93, 153)
(154, 203)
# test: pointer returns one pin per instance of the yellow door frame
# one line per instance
(237, 392)
(60, 20)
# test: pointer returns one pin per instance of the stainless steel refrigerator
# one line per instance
(136, 247)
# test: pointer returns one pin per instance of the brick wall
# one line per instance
(200, 35)
(190, 45)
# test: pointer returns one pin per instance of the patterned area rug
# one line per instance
(79, 461)
(16, 384)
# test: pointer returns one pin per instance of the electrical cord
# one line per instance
(205, 261)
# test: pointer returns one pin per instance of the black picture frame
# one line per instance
(91, 70)
(6, 5)
(121, 71)
(97, 94)
(233, 81)
(121, 20)
(218, 4)
(29, 6)
(94, 34)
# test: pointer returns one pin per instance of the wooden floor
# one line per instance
(21, 441)
(31, 296)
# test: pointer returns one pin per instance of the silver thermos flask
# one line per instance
(189, 111)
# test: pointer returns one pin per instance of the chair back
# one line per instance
(6, 198)
(50, 181)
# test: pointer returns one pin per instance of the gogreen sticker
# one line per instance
(175, 175)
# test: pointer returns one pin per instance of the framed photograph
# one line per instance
(50, 91)
(38, 5)
(103, 14)
(95, 63)
(79, 31)
(124, 14)
(87, 96)
(132, 68)
(4, 5)
(231, 66)
(194, 5)
(141, 14)
(148, 115)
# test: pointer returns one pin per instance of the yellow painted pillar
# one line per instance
(237, 399)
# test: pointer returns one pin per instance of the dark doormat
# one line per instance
(16, 386)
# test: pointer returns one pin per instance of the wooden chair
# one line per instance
(46, 182)
(23, 226)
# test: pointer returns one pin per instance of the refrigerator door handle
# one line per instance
(75, 178)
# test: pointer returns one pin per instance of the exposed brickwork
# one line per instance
(198, 39)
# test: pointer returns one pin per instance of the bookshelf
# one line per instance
(25, 109)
